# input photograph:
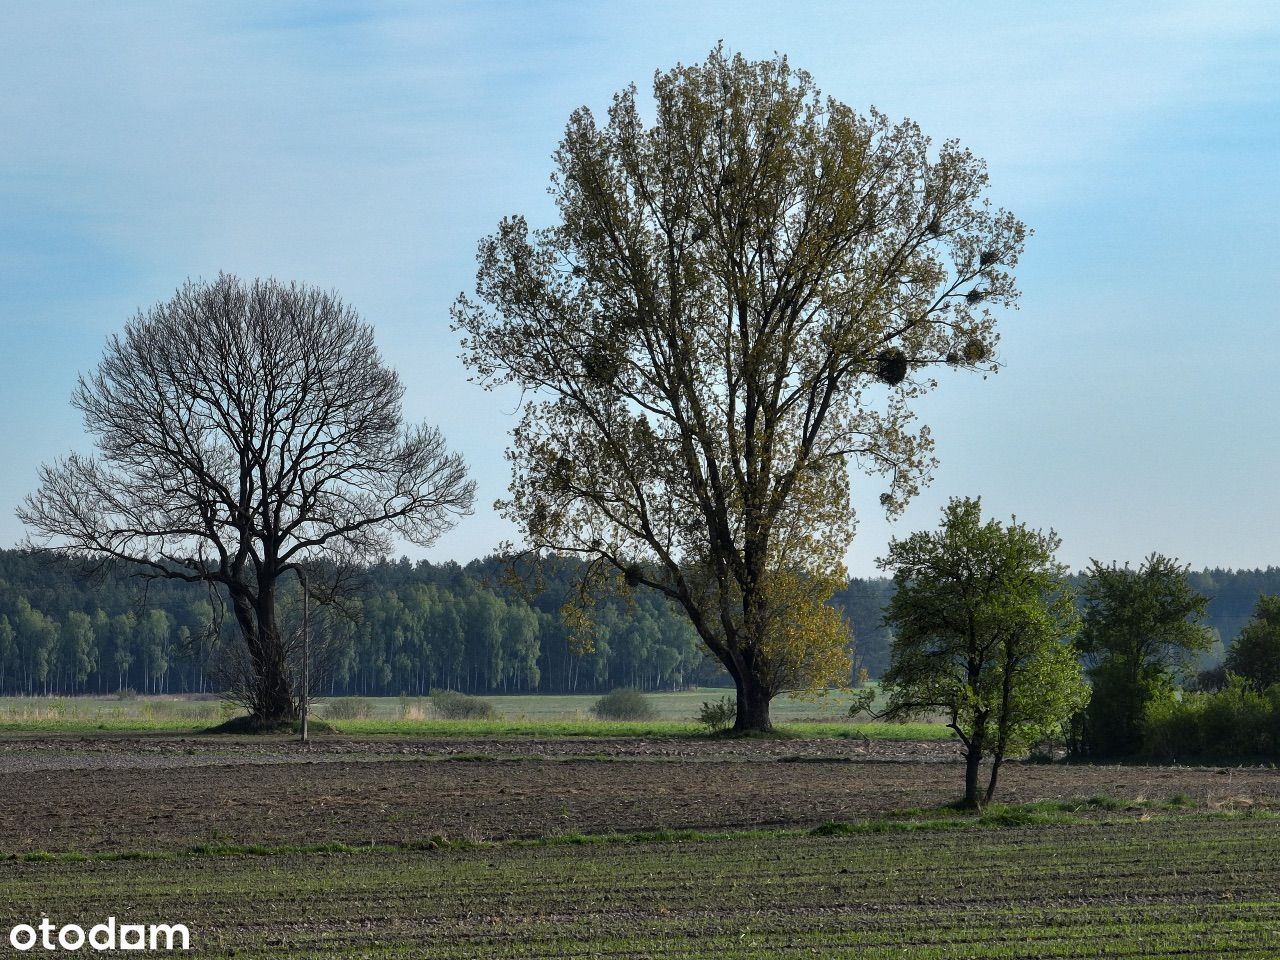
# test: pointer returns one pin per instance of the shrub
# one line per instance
(1234, 723)
(348, 708)
(411, 709)
(624, 704)
(452, 705)
(126, 693)
(719, 714)
(1111, 725)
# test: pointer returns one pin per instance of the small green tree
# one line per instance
(1140, 628)
(153, 633)
(1255, 655)
(984, 622)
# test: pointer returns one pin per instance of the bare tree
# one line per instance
(242, 430)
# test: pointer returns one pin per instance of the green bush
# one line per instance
(718, 714)
(452, 705)
(624, 704)
(1235, 723)
(348, 708)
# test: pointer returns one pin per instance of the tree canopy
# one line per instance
(737, 305)
(1140, 628)
(1255, 655)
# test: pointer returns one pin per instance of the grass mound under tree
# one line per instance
(250, 725)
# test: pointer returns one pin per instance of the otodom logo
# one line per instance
(103, 936)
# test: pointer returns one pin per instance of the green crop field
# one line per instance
(1021, 885)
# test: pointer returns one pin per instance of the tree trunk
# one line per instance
(995, 774)
(972, 761)
(975, 749)
(275, 693)
(270, 696)
(753, 704)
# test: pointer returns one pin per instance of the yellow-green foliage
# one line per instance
(806, 640)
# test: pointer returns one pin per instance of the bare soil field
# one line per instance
(165, 793)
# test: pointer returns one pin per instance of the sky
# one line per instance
(367, 147)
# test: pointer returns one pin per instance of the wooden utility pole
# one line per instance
(306, 649)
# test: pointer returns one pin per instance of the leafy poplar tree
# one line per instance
(736, 307)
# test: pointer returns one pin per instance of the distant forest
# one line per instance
(408, 628)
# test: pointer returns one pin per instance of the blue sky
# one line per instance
(366, 147)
